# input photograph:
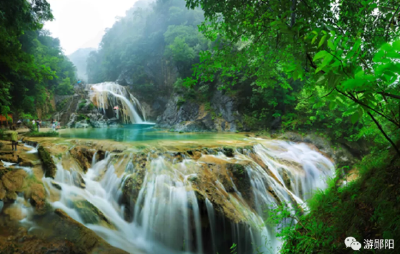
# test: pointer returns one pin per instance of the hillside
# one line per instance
(78, 58)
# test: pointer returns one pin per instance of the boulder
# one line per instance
(130, 192)
(49, 167)
(13, 180)
(10, 157)
(83, 156)
(89, 213)
(58, 226)
(78, 180)
(37, 197)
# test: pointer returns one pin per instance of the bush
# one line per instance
(42, 134)
(366, 208)
(47, 162)
(180, 102)
(62, 104)
(81, 105)
(82, 117)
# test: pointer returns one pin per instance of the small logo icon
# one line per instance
(349, 240)
(355, 245)
(352, 243)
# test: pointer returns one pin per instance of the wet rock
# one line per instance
(56, 185)
(37, 197)
(130, 192)
(13, 180)
(228, 151)
(238, 170)
(11, 196)
(30, 143)
(78, 180)
(193, 178)
(286, 179)
(59, 227)
(100, 155)
(10, 157)
(26, 163)
(83, 156)
(272, 192)
(89, 213)
(82, 124)
(48, 164)
(3, 191)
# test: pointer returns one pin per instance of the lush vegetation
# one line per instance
(149, 34)
(333, 65)
(344, 55)
(32, 66)
(367, 208)
(42, 134)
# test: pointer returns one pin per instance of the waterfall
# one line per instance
(191, 206)
(110, 94)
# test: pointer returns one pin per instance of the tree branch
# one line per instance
(391, 20)
(384, 134)
(362, 104)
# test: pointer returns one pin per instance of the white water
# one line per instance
(100, 96)
(33, 149)
(167, 216)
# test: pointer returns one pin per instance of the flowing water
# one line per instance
(195, 206)
(109, 95)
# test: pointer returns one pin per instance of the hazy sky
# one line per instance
(81, 23)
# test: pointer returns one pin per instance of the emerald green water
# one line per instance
(132, 133)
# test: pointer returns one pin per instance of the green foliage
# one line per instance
(61, 106)
(81, 105)
(355, 71)
(42, 134)
(83, 117)
(366, 208)
(31, 61)
(165, 32)
(48, 164)
(234, 248)
(180, 102)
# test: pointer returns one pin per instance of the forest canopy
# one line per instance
(345, 54)
(32, 64)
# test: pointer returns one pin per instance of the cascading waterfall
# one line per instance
(110, 94)
(183, 207)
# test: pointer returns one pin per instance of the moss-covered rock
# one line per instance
(49, 167)
(59, 227)
(10, 157)
(37, 198)
(89, 213)
(83, 156)
(11, 182)
(78, 180)
(228, 151)
(130, 192)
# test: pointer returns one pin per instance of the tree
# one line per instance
(344, 47)
(31, 61)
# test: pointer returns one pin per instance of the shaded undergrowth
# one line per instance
(366, 208)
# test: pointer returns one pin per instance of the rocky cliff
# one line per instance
(220, 114)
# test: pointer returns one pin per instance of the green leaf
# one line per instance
(396, 45)
(354, 118)
(320, 55)
(330, 45)
(321, 42)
